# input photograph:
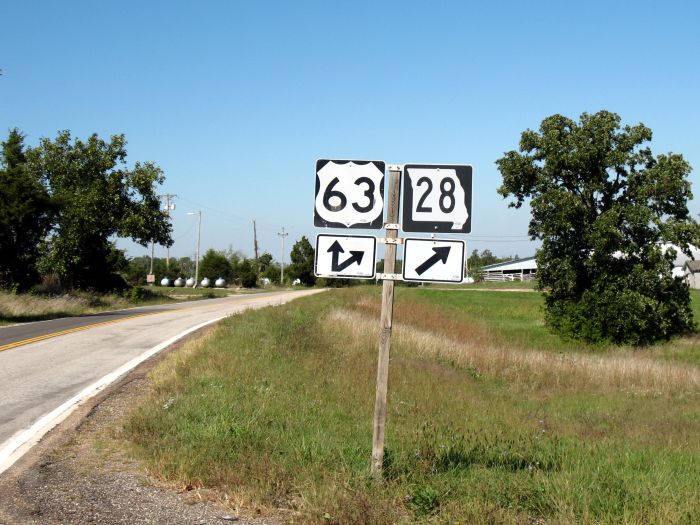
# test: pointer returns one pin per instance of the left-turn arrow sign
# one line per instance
(332, 259)
(336, 249)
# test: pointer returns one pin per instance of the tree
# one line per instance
(476, 262)
(263, 262)
(247, 273)
(603, 207)
(302, 266)
(184, 266)
(139, 267)
(214, 265)
(97, 198)
(25, 216)
(272, 272)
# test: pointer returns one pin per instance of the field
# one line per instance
(492, 419)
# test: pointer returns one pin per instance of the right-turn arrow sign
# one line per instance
(433, 260)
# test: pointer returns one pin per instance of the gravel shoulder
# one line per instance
(80, 473)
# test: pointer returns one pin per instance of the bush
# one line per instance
(137, 294)
(624, 313)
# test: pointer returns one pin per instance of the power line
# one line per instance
(471, 239)
(232, 217)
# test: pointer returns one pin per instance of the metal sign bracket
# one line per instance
(389, 240)
(389, 277)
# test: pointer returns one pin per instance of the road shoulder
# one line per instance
(75, 475)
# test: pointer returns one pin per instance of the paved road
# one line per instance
(40, 376)
(16, 335)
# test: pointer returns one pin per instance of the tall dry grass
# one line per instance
(473, 348)
(26, 307)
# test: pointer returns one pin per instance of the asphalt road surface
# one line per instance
(45, 365)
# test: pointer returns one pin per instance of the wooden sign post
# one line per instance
(392, 228)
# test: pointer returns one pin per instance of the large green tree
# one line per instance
(98, 198)
(604, 208)
(302, 266)
(25, 215)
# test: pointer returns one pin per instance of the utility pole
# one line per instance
(282, 236)
(168, 209)
(255, 240)
(255, 248)
(152, 254)
(199, 237)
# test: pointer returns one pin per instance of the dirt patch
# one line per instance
(79, 473)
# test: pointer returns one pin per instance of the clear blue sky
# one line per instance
(237, 100)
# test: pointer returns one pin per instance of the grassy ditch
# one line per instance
(22, 308)
(274, 410)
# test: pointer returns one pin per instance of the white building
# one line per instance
(691, 272)
(526, 269)
(519, 270)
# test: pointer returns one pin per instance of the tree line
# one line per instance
(610, 215)
(63, 202)
(231, 265)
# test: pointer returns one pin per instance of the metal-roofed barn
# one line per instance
(526, 269)
(518, 270)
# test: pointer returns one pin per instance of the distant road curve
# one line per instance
(48, 368)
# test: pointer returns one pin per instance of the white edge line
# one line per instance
(15, 447)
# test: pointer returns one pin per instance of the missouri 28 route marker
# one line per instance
(433, 260)
(349, 194)
(437, 198)
(350, 257)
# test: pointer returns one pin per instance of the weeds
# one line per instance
(41, 304)
(541, 370)
(274, 409)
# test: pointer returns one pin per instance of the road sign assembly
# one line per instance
(437, 198)
(352, 257)
(432, 260)
(349, 194)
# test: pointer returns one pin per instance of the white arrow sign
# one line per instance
(349, 194)
(351, 257)
(433, 260)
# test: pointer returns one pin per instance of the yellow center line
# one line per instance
(94, 325)
(70, 331)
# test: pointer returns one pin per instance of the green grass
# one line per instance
(487, 285)
(274, 409)
(516, 319)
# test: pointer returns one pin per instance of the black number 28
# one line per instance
(447, 195)
(330, 192)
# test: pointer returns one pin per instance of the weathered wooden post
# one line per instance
(392, 228)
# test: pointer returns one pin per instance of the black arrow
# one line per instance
(336, 249)
(440, 254)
